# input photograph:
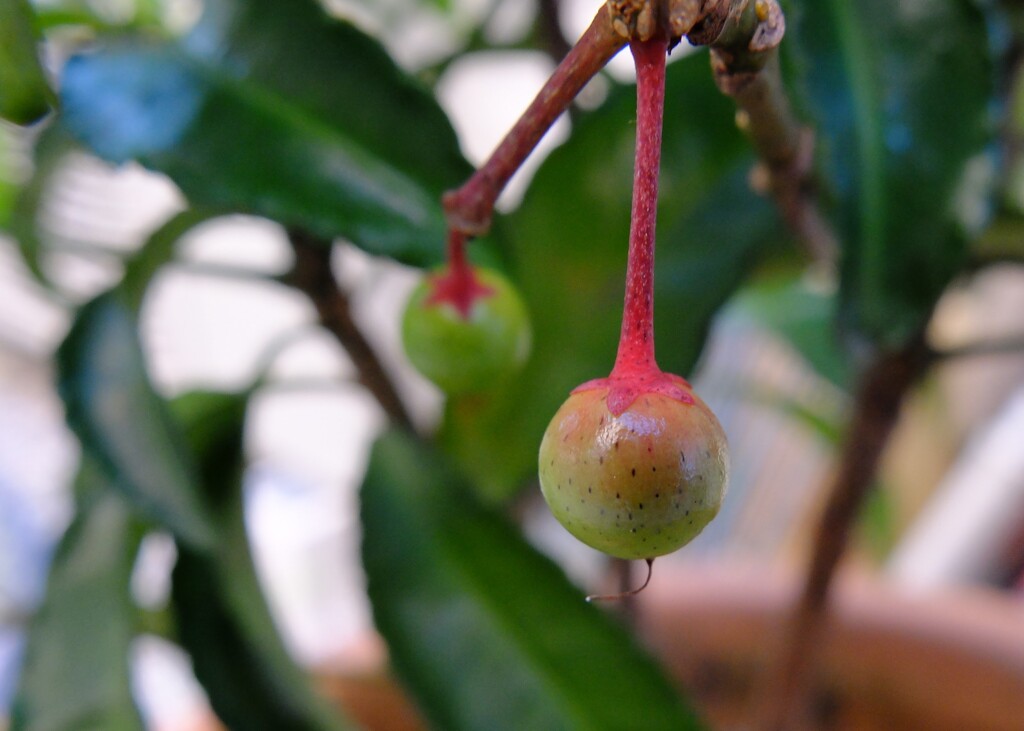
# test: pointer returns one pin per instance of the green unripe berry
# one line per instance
(466, 338)
(637, 485)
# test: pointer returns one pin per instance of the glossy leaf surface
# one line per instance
(485, 632)
(902, 97)
(276, 109)
(114, 411)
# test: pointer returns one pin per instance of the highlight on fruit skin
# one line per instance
(639, 484)
(466, 340)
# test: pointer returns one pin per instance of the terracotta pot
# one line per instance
(890, 661)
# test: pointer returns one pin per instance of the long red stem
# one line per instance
(470, 207)
(636, 341)
(635, 371)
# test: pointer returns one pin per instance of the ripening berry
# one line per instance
(637, 484)
(466, 335)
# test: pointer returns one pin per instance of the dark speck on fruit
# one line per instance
(641, 506)
(633, 471)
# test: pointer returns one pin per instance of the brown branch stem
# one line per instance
(880, 395)
(312, 274)
(469, 209)
(744, 36)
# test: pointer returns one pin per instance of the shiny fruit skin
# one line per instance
(637, 485)
(472, 353)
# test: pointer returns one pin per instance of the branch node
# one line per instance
(635, 20)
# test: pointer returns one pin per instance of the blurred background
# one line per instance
(946, 520)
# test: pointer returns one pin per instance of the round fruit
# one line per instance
(639, 484)
(463, 339)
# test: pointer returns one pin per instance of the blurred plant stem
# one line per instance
(312, 274)
(744, 38)
(878, 399)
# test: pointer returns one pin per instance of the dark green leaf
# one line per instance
(222, 617)
(568, 243)
(114, 411)
(487, 633)
(275, 109)
(902, 94)
(76, 673)
(25, 94)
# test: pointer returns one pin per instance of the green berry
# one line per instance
(639, 484)
(466, 335)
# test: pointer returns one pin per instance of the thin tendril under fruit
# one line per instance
(623, 594)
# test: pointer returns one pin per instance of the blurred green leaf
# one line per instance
(222, 617)
(114, 411)
(8, 184)
(49, 152)
(829, 430)
(76, 673)
(568, 243)
(804, 315)
(902, 98)
(487, 633)
(877, 527)
(276, 109)
(25, 94)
